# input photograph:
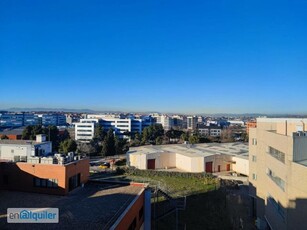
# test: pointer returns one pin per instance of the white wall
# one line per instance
(84, 129)
(189, 164)
(241, 166)
(7, 152)
(167, 160)
(138, 160)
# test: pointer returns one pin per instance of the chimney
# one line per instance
(40, 138)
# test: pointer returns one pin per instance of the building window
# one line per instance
(254, 176)
(254, 158)
(12, 150)
(254, 141)
(45, 183)
(276, 154)
(277, 180)
(141, 213)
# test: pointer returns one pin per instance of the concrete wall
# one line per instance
(7, 152)
(292, 199)
(167, 160)
(189, 164)
(138, 160)
(241, 166)
(219, 160)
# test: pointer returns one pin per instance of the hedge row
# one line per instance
(152, 173)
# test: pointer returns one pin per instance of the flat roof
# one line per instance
(290, 120)
(21, 142)
(15, 131)
(238, 149)
(96, 206)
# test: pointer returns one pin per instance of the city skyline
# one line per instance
(196, 57)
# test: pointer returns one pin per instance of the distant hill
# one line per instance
(50, 110)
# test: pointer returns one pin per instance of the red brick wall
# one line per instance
(13, 136)
(20, 175)
(132, 213)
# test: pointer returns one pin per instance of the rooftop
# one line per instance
(96, 206)
(19, 142)
(16, 131)
(198, 150)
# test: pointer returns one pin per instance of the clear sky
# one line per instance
(171, 56)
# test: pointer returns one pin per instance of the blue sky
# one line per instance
(168, 56)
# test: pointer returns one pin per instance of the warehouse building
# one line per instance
(210, 157)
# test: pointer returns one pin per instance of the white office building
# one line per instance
(121, 126)
(85, 130)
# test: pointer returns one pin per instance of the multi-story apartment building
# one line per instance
(178, 121)
(166, 121)
(12, 120)
(277, 172)
(191, 123)
(52, 119)
(214, 131)
(18, 119)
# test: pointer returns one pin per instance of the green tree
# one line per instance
(184, 136)
(121, 146)
(145, 136)
(52, 134)
(37, 129)
(108, 145)
(193, 139)
(173, 134)
(150, 133)
(91, 148)
(67, 146)
(159, 140)
(99, 133)
(136, 140)
(63, 135)
(27, 132)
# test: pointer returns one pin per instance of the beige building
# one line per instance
(278, 160)
(210, 157)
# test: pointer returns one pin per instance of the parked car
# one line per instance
(104, 165)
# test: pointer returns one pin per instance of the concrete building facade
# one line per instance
(191, 123)
(278, 166)
(85, 129)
